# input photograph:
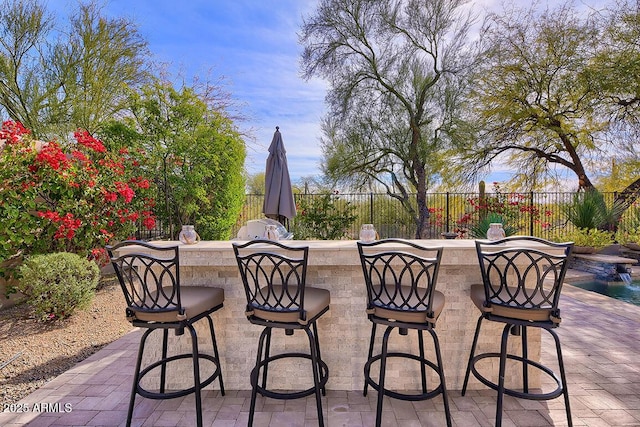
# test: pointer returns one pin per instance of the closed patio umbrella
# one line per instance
(278, 196)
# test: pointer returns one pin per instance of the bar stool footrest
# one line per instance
(324, 376)
(177, 393)
(395, 394)
(517, 393)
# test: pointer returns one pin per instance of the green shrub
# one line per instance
(589, 210)
(325, 217)
(58, 284)
(589, 237)
(628, 235)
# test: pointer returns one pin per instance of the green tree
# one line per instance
(394, 71)
(57, 77)
(256, 184)
(548, 96)
(198, 158)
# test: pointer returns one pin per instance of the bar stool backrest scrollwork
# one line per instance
(523, 277)
(150, 281)
(400, 281)
(274, 282)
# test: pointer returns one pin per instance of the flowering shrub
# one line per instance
(512, 209)
(72, 197)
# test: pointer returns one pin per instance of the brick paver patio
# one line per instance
(601, 345)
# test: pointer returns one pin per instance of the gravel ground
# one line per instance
(33, 352)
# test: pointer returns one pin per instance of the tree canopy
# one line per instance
(56, 77)
(393, 69)
(196, 153)
(554, 92)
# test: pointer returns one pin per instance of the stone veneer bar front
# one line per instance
(345, 330)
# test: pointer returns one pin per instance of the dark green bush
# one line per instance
(58, 284)
(326, 217)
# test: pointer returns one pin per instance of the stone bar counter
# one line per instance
(345, 330)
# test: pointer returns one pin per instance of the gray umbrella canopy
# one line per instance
(278, 197)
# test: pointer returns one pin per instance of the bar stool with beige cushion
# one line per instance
(400, 278)
(522, 279)
(274, 279)
(150, 279)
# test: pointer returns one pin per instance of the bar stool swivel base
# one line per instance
(195, 356)
(320, 371)
(524, 392)
(383, 357)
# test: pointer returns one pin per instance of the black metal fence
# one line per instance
(533, 213)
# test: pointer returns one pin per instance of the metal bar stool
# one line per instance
(274, 279)
(522, 278)
(400, 277)
(156, 301)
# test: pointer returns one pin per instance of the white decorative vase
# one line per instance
(368, 233)
(188, 235)
(495, 231)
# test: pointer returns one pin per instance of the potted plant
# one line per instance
(586, 240)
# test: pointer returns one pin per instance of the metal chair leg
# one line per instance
(316, 375)
(163, 368)
(196, 374)
(383, 369)
(317, 344)
(563, 377)
(423, 368)
(371, 341)
(445, 396)
(471, 355)
(255, 373)
(136, 376)
(501, 374)
(525, 361)
(267, 352)
(215, 352)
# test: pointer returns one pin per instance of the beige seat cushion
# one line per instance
(401, 315)
(195, 300)
(315, 301)
(527, 314)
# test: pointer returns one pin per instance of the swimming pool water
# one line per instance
(625, 292)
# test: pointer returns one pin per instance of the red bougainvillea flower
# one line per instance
(125, 191)
(83, 137)
(50, 215)
(12, 131)
(114, 166)
(52, 155)
(109, 196)
(149, 222)
(140, 182)
(80, 156)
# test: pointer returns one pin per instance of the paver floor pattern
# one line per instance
(600, 340)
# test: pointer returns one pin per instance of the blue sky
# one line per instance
(253, 46)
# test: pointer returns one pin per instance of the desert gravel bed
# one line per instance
(34, 352)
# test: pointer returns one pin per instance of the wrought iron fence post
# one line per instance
(531, 213)
(447, 211)
(371, 208)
